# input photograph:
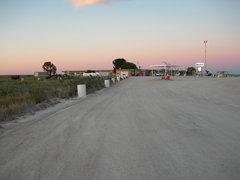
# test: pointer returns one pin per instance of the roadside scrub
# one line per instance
(20, 97)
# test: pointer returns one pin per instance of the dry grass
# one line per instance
(18, 97)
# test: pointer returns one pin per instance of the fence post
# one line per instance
(107, 83)
(118, 79)
(82, 91)
(114, 80)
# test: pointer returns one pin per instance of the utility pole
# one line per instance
(205, 43)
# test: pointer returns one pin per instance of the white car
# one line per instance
(90, 74)
(159, 74)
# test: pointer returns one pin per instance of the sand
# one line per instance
(142, 128)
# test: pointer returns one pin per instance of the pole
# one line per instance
(205, 42)
(107, 83)
(81, 90)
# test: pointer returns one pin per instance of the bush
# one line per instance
(191, 71)
(16, 96)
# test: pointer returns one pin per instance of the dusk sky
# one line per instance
(90, 34)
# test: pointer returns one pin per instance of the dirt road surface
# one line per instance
(140, 129)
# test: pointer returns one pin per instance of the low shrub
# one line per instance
(16, 97)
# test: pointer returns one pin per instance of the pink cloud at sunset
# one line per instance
(79, 3)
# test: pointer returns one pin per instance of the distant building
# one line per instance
(123, 72)
(165, 68)
(105, 72)
(74, 73)
(80, 72)
(40, 74)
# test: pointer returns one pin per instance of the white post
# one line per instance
(82, 90)
(107, 83)
(113, 80)
(118, 79)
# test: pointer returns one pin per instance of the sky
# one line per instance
(90, 34)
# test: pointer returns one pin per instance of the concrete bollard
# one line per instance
(107, 83)
(118, 79)
(82, 91)
(113, 80)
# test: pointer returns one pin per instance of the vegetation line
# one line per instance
(19, 97)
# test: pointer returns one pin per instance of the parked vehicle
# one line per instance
(90, 73)
(159, 74)
(208, 73)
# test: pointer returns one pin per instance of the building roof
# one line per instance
(82, 71)
(164, 65)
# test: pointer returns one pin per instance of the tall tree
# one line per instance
(50, 68)
(129, 65)
(118, 63)
(123, 64)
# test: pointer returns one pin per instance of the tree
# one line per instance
(129, 65)
(182, 72)
(123, 64)
(191, 71)
(50, 68)
(118, 63)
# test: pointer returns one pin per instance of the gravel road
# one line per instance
(140, 129)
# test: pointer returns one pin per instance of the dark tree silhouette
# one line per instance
(50, 68)
(123, 64)
(118, 63)
(129, 65)
(191, 71)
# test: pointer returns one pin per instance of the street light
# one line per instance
(205, 42)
